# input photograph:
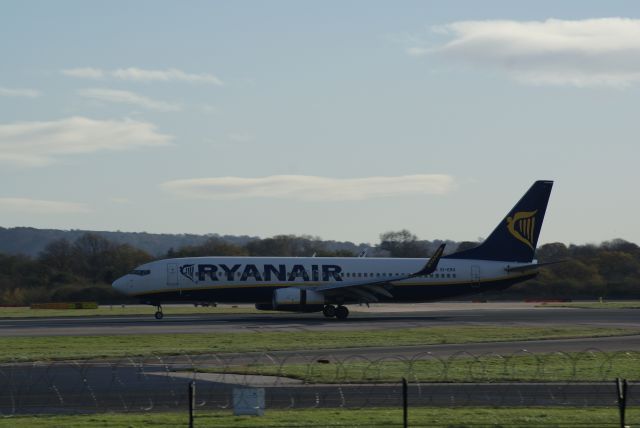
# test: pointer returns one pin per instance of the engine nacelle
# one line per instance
(293, 298)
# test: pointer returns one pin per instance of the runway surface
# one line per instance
(435, 315)
(148, 384)
(425, 315)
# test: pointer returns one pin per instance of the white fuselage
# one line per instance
(201, 274)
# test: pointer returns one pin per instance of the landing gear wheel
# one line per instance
(342, 312)
(159, 313)
(329, 311)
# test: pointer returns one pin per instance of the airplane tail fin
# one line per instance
(516, 237)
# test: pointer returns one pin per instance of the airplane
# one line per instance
(328, 284)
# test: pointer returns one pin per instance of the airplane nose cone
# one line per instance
(119, 285)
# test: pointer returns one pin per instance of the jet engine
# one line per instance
(297, 299)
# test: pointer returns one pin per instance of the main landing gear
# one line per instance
(159, 313)
(340, 312)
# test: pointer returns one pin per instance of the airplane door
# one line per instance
(172, 274)
(475, 276)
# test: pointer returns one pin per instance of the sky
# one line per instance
(338, 119)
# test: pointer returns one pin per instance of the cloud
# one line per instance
(171, 74)
(84, 73)
(590, 52)
(126, 97)
(19, 92)
(310, 188)
(143, 75)
(38, 206)
(40, 143)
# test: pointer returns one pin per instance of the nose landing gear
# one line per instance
(340, 312)
(159, 313)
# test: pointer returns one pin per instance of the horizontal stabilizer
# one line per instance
(531, 266)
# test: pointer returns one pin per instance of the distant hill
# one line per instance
(31, 241)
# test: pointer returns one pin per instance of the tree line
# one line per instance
(85, 268)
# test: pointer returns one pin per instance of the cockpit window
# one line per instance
(140, 272)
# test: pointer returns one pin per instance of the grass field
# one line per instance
(119, 310)
(418, 417)
(630, 304)
(586, 366)
(82, 347)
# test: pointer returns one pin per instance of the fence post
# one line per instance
(405, 404)
(192, 401)
(621, 385)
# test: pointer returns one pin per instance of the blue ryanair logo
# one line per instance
(266, 272)
(187, 271)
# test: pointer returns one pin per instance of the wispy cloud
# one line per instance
(84, 73)
(126, 97)
(19, 92)
(40, 143)
(143, 75)
(310, 188)
(43, 207)
(590, 52)
(171, 74)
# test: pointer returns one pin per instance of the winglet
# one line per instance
(431, 264)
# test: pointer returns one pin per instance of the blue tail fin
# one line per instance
(516, 237)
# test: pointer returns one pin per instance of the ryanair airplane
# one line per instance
(327, 284)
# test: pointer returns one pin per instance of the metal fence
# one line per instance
(303, 381)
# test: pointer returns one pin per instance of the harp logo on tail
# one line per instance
(522, 226)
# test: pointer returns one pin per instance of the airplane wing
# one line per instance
(532, 266)
(367, 290)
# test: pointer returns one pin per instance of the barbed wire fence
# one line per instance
(303, 381)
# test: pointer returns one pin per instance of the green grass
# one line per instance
(39, 348)
(584, 366)
(631, 304)
(120, 310)
(376, 417)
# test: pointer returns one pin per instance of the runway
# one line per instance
(425, 315)
(147, 384)
(399, 316)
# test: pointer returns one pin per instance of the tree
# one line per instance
(212, 247)
(58, 255)
(92, 256)
(402, 244)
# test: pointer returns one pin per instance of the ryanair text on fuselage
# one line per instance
(213, 272)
